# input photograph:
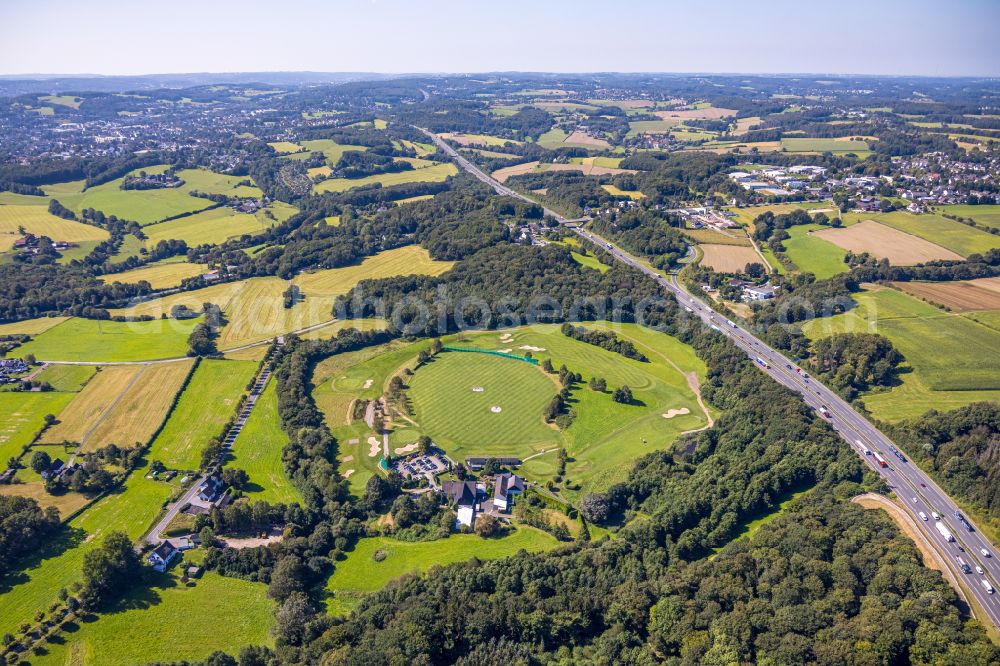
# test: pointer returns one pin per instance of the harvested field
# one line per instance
(518, 169)
(728, 258)
(83, 413)
(66, 503)
(160, 275)
(958, 296)
(884, 242)
(635, 195)
(38, 220)
(477, 139)
(582, 139)
(710, 237)
(710, 113)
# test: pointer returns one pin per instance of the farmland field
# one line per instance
(431, 174)
(90, 340)
(58, 564)
(169, 621)
(215, 225)
(813, 254)
(67, 378)
(37, 220)
(958, 296)
(22, 415)
(614, 191)
(332, 150)
(936, 347)
(885, 242)
(982, 214)
(360, 574)
(637, 127)
(142, 206)
(798, 145)
(728, 258)
(477, 139)
(211, 182)
(712, 237)
(258, 451)
(84, 412)
(748, 214)
(159, 275)
(406, 260)
(552, 139)
(955, 236)
(285, 146)
(705, 113)
(31, 326)
(579, 138)
(206, 405)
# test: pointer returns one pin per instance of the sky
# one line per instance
(921, 37)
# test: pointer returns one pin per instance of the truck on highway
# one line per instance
(963, 565)
(879, 459)
(864, 449)
(764, 364)
(945, 532)
(988, 586)
(894, 451)
(731, 323)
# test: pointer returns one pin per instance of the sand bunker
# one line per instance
(374, 447)
(353, 441)
(348, 458)
(368, 383)
(506, 337)
(347, 473)
(505, 351)
(532, 348)
(496, 409)
(671, 413)
(405, 449)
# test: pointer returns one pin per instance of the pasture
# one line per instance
(728, 258)
(169, 621)
(957, 296)
(216, 225)
(30, 485)
(38, 221)
(90, 340)
(748, 214)
(982, 214)
(812, 254)
(808, 145)
(285, 147)
(211, 182)
(884, 242)
(67, 378)
(944, 375)
(583, 139)
(160, 275)
(330, 149)
(360, 574)
(703, 113)
(437, 173)
(142, 206)
(207, 403)
(59, 562)
(22, 416)
(957, 237)
(258, 451)
(635, 195)
(637, 127)
(552, 139)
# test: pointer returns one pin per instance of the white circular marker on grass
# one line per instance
(496, 409)
(478, 389)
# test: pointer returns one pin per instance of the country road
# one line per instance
(918, 492)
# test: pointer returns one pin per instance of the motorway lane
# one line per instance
(905, 478)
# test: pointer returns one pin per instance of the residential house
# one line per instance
(505, 486)
(761, 293)
(161, 556)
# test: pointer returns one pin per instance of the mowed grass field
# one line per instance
(216, 225)
(86, 409)
(258, 451)
(170, 620)
(332, 150)
(22, 416)
(406, 260)
(437, 173)
(984, 214)
(360, 574)
(159, 275)
(58, 563)
(944, 374)
(38, 221)
(449, 408)
(955, 236)
(796, 145)
(69, 378)
(90, 340)
(812, 254)
(208, 402)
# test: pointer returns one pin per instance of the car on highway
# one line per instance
(985, 552)
(979, 570)
(914, 500)
(936, 515)
(923, 485)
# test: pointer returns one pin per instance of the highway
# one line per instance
(916, 490)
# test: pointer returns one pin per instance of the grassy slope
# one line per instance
(936, 346)
(258, 451)
(206, 404)
(91, 340)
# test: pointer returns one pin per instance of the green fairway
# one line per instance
(69, 378)
(21, 417)
(955, 236)
(936, 345)
(95, 341)
(170, 621)
(437, 173)
(258, 451)
(360, 574)
(58, 564)
(813, 254)
(454, 398)
(982, 214)
(205, 406)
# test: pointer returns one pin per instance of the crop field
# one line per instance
(955, 236)
(171, 621)
(936, 347)
(159, 275)
(478, 404)
(206, 405)
(37, 220)
(67, 378)
(90, 340)
(743, 125)
(31, 486)
(637, 127)
(812, 254)
(96, 398)
(579, 138)
(518, 169)
(712, 237)
(982, 214)
(635, 195)
(431, 174)
(477, 139)
(22, 416)
(258, 451)
(957, 296)
(360, 574)
(690, 135)
(803, 145)
(216, 225)
(31, 326)
(704, 113)
(728, 258)
(885, 242)
(58, 563)
(285, 146)
(332, 150)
